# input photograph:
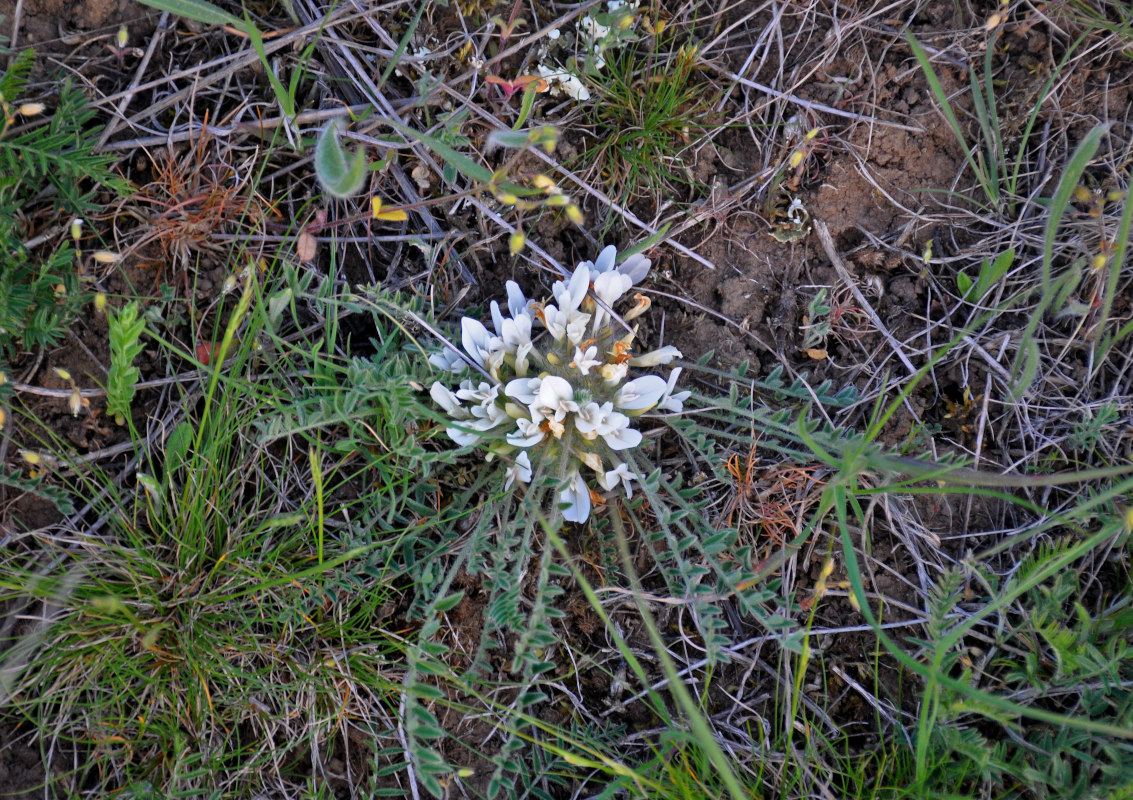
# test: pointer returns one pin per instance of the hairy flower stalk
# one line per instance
(560, 398)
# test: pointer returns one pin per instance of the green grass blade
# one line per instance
(197, 10)
(949, 115)
(1071, 176)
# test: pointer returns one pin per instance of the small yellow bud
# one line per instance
(75, 402)
(31, 458)
(554, 359)
(100, 302)
(507, 198)
(106, 257)
(558, 201)
(574, 214)
(1099, 261)
(31, 109)
(927, 251)
(3, 418)
(60, 291)
(229, 285)
(827, 569)
(76, 228)
(123, 36)
(62, 373)
(516, 242)
(543, 182)
(795, 159)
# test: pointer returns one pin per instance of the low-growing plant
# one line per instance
(40, 290)
(126, 329)
(572, 440)
(649, 108)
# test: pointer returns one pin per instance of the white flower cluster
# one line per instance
(560, 396)
(594, 39)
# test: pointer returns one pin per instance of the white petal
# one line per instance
(462, 437)
(525, 390)
(527, 434)
(610, 286)
(449, 360)
(577, 498)
(443, 397)
(516, 302)
(622, 438)
(640, 394)
(606, 259)
(518, 470)
(662, 355)
(497, 318)
(636, 267)
(670, 401)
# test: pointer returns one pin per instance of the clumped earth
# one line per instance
(844, 184)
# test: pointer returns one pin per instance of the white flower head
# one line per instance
(578, 409)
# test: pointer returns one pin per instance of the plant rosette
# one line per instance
(554, 391)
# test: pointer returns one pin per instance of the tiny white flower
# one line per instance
(617, 433)
(576, 496)
(621, 474)
(525, 390)
(614, 374)
(482, 392)
(585, 361)
(517, 332)
(516, 303)
(528, 433)
(610, 286)
(446, 399)
(670, 401)
(590, 418)
(555, 321)
(518, 470)
(448, 360)
(636, 267)
(662, 355)
(478, 342)
(556, 398)
(569, 295)
(576, 326)
(640, 394)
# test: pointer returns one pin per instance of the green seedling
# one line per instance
(998, 175)
(126, 329)
(989, 275)
(340, 173)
